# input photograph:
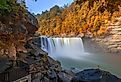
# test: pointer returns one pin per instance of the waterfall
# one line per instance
(66, 47)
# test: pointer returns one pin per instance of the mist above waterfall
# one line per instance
(70, 52)
(63, 47)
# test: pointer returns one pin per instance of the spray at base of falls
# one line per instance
(70, 52)
(63, 47)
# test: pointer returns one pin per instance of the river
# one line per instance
(73, 52)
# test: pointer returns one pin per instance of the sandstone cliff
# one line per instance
(15, 30)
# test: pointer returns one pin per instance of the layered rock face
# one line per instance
(15, 30)
(112, 40)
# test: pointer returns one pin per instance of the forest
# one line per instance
(81, 18)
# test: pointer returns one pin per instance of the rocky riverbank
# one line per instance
(22, 59)
(51, 70)
(42, 68)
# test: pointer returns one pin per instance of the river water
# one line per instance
(71, 53)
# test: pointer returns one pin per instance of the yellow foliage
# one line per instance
(101, 31)
(86, 17)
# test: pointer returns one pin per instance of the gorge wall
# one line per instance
(112, 41)
(15, 30)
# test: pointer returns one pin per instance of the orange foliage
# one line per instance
(77, 19)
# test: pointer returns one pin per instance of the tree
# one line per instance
(82, 16)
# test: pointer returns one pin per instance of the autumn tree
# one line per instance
(88, 17)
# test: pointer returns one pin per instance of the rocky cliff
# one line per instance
(18, 43)
(15, 30)
(112, 40)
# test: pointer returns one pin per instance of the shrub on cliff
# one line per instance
(7, 6)
(11, 6)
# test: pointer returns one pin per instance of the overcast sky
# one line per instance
(42, 5)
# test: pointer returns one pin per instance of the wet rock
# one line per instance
(95, 75)
(56, 65)
(75, 70)
(65, 76)
(52, 76)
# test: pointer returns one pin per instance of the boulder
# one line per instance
(63, 77)
(94, 75)
(52, 76)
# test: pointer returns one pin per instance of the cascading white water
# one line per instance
(44, 43)
(70, 52)
(64, 47)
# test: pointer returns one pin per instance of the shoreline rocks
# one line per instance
(55, 73)
(25, 56)
(95, 75)
(43, 68)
